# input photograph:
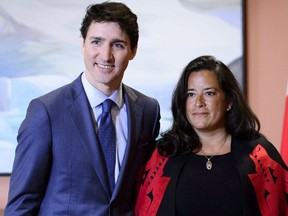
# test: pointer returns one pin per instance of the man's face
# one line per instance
(107, 52)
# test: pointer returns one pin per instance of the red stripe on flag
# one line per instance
(284, 145)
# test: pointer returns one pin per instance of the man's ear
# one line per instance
(82, 47)
(133, 52)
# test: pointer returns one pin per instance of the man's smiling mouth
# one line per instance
(105, 66)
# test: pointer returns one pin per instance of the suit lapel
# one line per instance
(134, 118)
(80, 112)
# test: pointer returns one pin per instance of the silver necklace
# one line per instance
(209, 162)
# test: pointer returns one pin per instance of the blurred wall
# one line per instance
(267, 63)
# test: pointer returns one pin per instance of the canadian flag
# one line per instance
(284, 145)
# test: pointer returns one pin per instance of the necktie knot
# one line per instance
(107, 105)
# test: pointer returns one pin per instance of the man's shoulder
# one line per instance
(65, 89)
(137, 95)
(61, 95)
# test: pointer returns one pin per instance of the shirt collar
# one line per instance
(96, 97)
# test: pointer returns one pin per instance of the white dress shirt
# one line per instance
(119, 116)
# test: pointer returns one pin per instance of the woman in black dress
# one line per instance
(213, 160)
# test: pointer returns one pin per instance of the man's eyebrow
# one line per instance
(119, 41)
(116, 40)
(95, 38)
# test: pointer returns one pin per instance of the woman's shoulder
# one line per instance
(156, 158)
(253, 142)
(261, 147)
(264, 142)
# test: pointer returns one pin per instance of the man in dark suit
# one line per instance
(59, 166)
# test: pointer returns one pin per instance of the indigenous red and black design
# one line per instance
(150, 197)
(263, 166)
(269, 181)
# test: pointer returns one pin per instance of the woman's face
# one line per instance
(205, 104)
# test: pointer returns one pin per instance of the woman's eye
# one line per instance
(210, 93)
(190, 94)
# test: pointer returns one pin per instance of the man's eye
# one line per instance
(119, 45)
(95, 42)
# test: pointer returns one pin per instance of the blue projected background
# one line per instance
(41, 50)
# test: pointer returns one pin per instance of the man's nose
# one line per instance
(106, 52)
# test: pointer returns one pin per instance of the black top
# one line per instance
(202, 192)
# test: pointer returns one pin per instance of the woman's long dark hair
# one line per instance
(240, 121)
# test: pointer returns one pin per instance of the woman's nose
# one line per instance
(199, 101)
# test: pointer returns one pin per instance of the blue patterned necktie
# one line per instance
(107, 138)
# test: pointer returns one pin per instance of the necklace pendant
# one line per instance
(209, 165)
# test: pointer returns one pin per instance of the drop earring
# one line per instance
(229, 107)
